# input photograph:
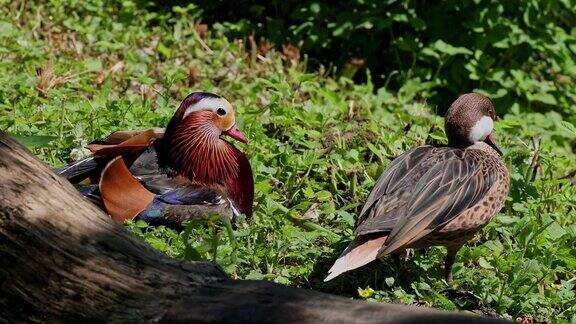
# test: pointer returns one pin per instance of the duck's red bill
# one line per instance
(490, 141)
(236, 134)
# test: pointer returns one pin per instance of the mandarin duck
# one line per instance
(431, 195)
(169, 176)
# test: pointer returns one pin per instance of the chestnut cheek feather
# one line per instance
(228, 121)
(223, 123)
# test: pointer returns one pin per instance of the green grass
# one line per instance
(317, 144)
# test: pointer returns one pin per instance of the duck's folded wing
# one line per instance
(398, 174)
(124, 197)
(442, 193)
(122, 136)
(110, 148)
(186, 203)
(389, 196)
(126, 144)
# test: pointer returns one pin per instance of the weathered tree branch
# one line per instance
(62, 259)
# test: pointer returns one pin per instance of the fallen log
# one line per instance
(62, 259)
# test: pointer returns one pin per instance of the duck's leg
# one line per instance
(449, 262)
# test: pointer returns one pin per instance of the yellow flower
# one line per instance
(365, 293)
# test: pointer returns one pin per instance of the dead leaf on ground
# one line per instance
(291, 54)
(312, 213)
(526, 319)
(357, 62)
(193, 73)
(264, 46)
(102, 75)
(201, 30)
(47, 80)
(147, 92)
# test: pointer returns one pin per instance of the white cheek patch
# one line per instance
(207, 104)
(481, 129)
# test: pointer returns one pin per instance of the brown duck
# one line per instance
(434, 195)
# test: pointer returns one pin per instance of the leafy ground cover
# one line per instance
(519, 51)
(71, 72)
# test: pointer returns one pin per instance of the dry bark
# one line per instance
(62, 259)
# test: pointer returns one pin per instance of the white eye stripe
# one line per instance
(481, 129)
(207, 104)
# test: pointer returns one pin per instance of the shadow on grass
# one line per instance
(425, 266)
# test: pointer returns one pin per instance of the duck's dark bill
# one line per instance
(490, 141)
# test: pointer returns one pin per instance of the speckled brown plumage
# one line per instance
(434, 195)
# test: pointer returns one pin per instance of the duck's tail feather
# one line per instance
(358, 253)
(79, 170)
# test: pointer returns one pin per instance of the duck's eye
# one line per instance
(221, 112)
(491, 113)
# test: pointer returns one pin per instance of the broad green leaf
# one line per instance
(484, 264)
(556, 231)
(165, 51)
(6, 29)
(446, 48)
(33, 141)
(543, 97)
(568, 126)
